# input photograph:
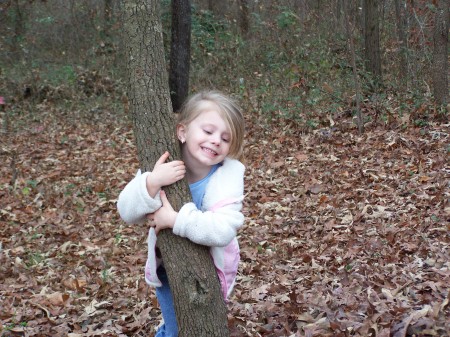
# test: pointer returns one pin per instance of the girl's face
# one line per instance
(207, 138)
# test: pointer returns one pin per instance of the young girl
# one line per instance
(211, 132)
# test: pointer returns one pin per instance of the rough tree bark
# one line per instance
(180, 52)
(198, 301)
(440, 53)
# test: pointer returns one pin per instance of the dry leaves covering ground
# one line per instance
(346, 235)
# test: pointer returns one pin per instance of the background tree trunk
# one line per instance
(372, 38)
(244, 17)
(107, 17)
(19, 29)
(301, 8)
(351, 45)
(218, 7)
(198, 301)
(340, 18)
(403, 42)
(180, 52)
(440, 53)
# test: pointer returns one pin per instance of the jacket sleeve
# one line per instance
(211, 228)
(218, 225)
(134, 202)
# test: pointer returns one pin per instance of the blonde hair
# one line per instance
(228, 109)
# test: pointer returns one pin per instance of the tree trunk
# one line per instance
(339, 15)
(244, 17)
(19, 30)
(351, 44)
(403, 43)
(198, 301)
(440, 53)
(107, 17)
(218, 7)
(180, 52)
(301, 9)
(372, 38)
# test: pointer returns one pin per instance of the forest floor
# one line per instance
(345, 234)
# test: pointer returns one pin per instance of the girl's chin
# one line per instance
(207, 160)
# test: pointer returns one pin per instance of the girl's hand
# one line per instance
(164, 174)
(164, 217)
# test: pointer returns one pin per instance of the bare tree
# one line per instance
(339, 15)
(372, 38)
(440, 53)
(19, 29)
(198, 301)
(219, 8)
(403, 42)
(301, 8)
(351, 44)
(180, 52)
(107, 16)
(244, 19)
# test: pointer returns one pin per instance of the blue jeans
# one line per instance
(165, 299)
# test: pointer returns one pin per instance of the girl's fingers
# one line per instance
(176, 163)
(163, 158)
(164, 199)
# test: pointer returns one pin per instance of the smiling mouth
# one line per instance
(211, 152)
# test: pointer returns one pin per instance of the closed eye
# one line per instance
(207, 132)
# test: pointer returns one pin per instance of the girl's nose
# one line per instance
(215, 140)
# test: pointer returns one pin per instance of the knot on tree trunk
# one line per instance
(199, 294)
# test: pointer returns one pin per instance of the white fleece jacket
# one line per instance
(215, 225)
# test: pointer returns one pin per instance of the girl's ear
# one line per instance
(181, 132)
